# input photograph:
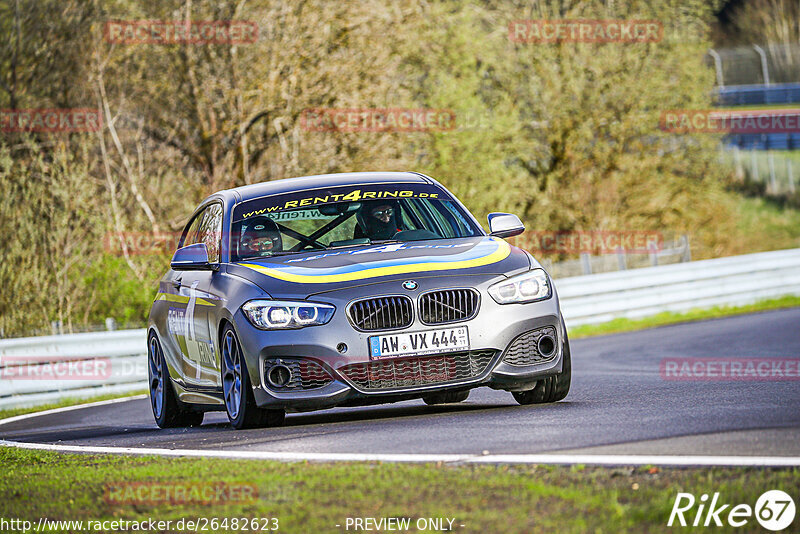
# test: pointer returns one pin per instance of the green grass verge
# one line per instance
(67, 402)
(765, 226)
(667, 318)
(315, 497)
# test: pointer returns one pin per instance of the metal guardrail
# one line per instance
(41, 370)
(37, 370)
(678, 251)
(730, 281)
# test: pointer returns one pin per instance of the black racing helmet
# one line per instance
(259, 237)
(379, 219)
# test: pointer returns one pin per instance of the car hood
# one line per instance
(303, 274)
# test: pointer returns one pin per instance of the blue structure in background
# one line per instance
(756, 95)
(773, 141)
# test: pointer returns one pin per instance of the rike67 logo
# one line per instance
(774, 510)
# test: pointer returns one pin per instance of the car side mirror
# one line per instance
(505, 225)
(191, 258)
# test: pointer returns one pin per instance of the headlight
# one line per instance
(277, 314)
(526, 287)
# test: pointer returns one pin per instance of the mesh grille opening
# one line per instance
(448, 306)
(382, 313)
(398, 373)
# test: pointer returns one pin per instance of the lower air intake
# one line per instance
(526, 349)
(401, 373)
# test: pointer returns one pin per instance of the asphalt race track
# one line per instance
(619, 404)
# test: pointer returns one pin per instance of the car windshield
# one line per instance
(346, 216)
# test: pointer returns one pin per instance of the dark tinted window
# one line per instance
(321, 219)
(206, 228)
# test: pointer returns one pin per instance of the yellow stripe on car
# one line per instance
(501, 253)
(182, 299)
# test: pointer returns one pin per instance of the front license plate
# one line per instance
(419, 343)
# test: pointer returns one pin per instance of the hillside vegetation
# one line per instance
(565, 134)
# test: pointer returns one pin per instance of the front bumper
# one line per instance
(492, 332)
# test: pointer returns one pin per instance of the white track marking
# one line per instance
(8, 420)
(245, 455)
(640, 459)
(588, 459)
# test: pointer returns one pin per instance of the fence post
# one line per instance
(717, 66)
(791, 175)
(773, 183)
(622, 263)
(653, 254)
(586, 262)
(111, 324)
(737, 157)
(764, 68)
(754, 166)
(687, 250)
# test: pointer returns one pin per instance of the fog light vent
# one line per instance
(294, 374)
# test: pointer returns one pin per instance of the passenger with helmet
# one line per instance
(259, 237)
(378, 220)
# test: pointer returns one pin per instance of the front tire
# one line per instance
(166, 409)
(237, 391)
(551, 388)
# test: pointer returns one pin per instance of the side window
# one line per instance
(206, 228)
(210, 231)
(192, 235)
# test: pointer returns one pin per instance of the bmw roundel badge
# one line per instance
(411, 285)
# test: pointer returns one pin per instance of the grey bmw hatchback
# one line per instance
(345, 290)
